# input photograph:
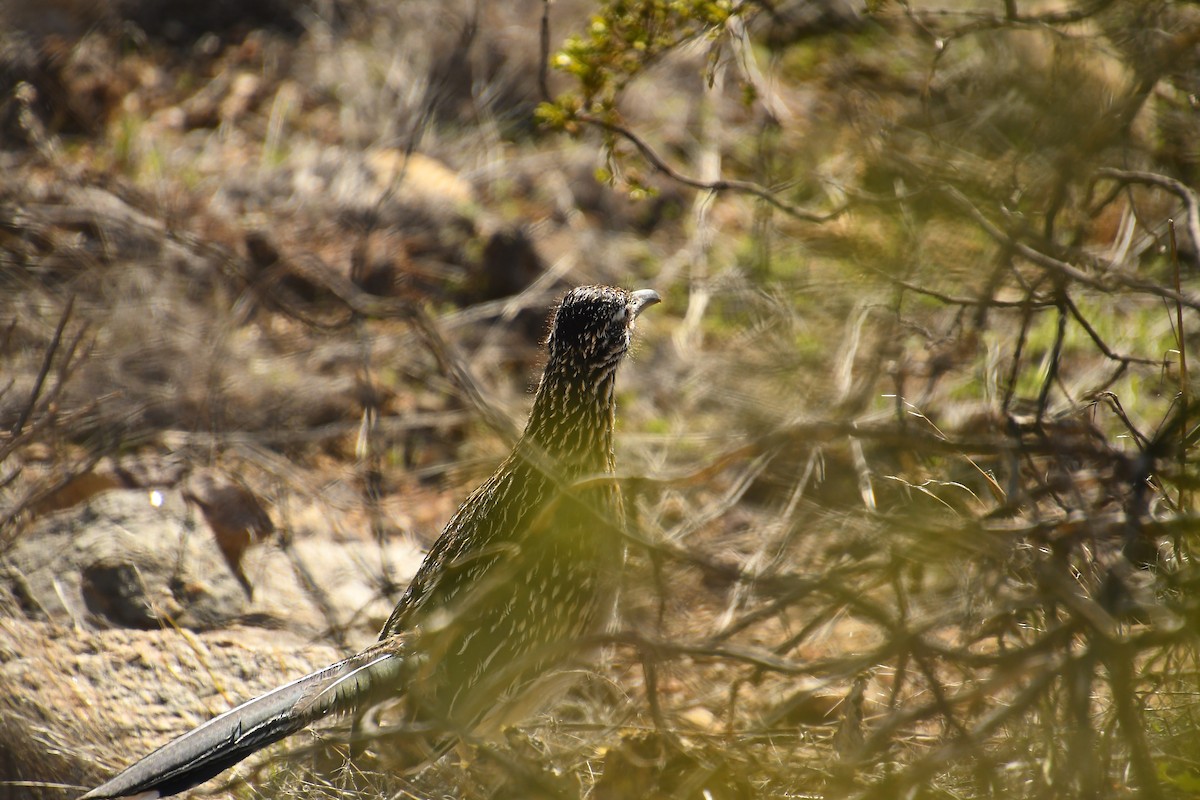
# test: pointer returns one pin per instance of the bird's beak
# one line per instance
(640, 300)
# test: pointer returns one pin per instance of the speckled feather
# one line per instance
(523, 571)
(528, 564)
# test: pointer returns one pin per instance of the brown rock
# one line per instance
(75, 705)
(124, 558)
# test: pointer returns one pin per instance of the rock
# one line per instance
(142, 559)
(78, 705)
(125, 558)
(121, 627)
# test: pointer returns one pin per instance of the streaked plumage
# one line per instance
(524, 569)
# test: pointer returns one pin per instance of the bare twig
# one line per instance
(1191, 201)
(1106, 282)
(44, 371)
(1184, 400)
(544, 61)
(743, 187)
(1052, 366)
(1097, 339)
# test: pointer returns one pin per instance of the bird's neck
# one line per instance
(572, 420)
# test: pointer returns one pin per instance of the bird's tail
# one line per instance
(225, 740)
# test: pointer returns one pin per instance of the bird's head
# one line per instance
(590, 330)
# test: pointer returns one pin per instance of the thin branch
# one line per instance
(1095, 336)
(1191, 201)
(1011, 19)
(1060, 332)
(47, 359)
(1185, 400)
(1104, 283)
(743, 187)
(952, 300)
(1010, 386)
(544, 61)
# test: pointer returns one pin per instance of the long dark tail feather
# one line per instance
(223, 741)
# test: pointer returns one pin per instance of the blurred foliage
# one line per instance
(622, 40)
(978, 236)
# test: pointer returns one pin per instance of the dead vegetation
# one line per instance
(912, 453)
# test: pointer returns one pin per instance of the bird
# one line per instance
(520, 578)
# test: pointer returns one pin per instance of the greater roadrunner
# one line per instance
(522, 573)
